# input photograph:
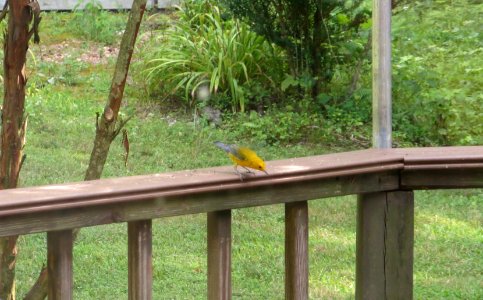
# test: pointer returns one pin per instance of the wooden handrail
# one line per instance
(345, 173)
(57, 209)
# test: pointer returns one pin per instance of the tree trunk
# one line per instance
(12, 136)
(107, 127)
(358, 68)
(316, 51)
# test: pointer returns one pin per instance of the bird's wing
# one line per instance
(232, 149)
(235, 151)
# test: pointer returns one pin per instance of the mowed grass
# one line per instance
(448, 232)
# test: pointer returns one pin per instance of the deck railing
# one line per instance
(384, 235)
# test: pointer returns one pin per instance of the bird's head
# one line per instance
(260, 165)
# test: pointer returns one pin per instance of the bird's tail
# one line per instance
(223, 146)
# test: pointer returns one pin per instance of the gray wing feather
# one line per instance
(233, 149)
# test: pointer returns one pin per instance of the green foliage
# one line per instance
(205, 51)
(437, 73)
(317, 35)
(290, 126)
(275, 127)
(96, 24)
(59, 140)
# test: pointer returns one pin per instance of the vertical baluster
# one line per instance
(140, 260)
(59, 264)
(219, 255)
(385, 240)
(399, 245)
(296, 251)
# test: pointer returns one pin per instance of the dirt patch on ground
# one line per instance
(76, 50)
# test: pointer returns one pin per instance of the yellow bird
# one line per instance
(244, 157)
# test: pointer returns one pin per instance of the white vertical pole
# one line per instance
(381, 74)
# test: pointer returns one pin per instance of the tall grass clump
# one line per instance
(205, 51)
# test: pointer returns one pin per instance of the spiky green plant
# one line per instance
(202, 49)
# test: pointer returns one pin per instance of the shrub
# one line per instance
(205, 51)
(96, 24)
(317, 35)
(438, 75)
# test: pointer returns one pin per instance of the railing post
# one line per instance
(140, 260)
(59, 264)
(385, 221)
(219, 255)
(385, 240)
(296, 251)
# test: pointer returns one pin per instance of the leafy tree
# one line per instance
(317, 35)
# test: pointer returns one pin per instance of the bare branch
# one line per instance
(4, 11)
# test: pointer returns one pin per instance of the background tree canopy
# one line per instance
(316, 34)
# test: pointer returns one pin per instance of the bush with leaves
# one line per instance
(94, 23)
(205, 51)
(317, 35)
(437, 73)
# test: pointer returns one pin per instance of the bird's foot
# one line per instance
(248, 171)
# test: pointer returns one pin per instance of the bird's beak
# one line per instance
(265, 172)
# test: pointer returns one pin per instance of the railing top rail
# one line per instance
(440, 155)
(88, 203)
(112, 190)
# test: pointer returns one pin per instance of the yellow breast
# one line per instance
(248, 158)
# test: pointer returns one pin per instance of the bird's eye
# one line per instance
(260, 167)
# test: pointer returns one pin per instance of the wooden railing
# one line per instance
(384, 232)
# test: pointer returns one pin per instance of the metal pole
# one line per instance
(381, 74)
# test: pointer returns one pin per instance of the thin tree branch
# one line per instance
(4, 12)
(106, 122)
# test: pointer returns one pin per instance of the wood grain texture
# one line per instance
(384, 245)
(399, 245)
(59, 264)
(157, 207)
(140, 260)
(219, 255)
(442, 179)
(370, 246)
(136, 188)
(296, 251)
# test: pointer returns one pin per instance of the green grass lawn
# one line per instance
(62, 101)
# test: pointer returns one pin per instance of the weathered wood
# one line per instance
(381, 74)
(370, 237)
(59, 264)
(442, 179)
(112, 190)
(140, 260)
(385, 234)
(371, 208)
(399, 245)
(296, 251)
(154, 206)
(219, 255)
